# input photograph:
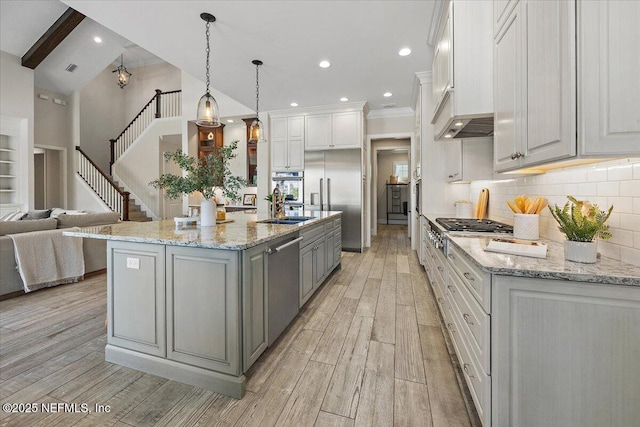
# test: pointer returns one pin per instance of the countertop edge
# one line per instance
(93, 232)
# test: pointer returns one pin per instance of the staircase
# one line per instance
(114, 196)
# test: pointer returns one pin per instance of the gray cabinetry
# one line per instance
(203, 317)
(136, 297)
(320, 254)
(564, 353)
(254, 304)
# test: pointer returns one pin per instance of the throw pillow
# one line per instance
(39, 214)
(13, 216)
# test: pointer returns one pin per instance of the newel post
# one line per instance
(158, 97)
(125, 206)
(113, 156)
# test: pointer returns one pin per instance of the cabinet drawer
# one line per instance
(476, 280)
(475, 322)
(478, 382)
(311, 234)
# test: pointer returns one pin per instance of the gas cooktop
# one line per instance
(474, 225)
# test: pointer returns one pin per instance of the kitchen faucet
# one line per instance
(277, 203)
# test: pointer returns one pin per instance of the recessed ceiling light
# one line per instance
(294, 104)
(344, 99)
(97, 39)
(448, 135)
(405, 51)
(229, 121)
(458, 124)
(387, 94)
(325, 64)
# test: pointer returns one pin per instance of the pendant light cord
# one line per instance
(208, 50)
(257, 92)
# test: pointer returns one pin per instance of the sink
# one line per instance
(289, 220)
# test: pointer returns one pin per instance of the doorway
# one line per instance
(49, 177)
(392, 186)
(388, 147)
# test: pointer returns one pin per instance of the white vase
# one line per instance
(207, 213)
(585, 252)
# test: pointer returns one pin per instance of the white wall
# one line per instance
(105, 108)
(17, 111)
(140, 165)
(389, 124)
(614, 183)
(143, 84)
(54, 128)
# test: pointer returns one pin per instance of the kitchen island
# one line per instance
(541, 341)
(193, 304)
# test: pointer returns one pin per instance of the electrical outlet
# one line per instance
(133, 263)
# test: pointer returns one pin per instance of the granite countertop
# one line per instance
(244, 232)
(605, 270)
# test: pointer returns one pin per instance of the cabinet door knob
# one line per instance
(450, 176)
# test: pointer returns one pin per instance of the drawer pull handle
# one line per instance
(466, 318)
(451, 257)
(468, 276)
(450, 326)
(440, 269)
(451, 288)
(466, 370)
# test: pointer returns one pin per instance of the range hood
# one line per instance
(447, 125)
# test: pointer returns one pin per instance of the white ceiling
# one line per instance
(360, 38)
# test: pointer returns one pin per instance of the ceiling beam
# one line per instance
(52, 38)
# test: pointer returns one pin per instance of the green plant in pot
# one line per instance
(581, 222)
(209, 176)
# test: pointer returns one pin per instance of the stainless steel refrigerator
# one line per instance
(333, 182)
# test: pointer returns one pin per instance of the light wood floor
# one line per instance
(366, 350)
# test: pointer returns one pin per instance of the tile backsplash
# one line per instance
(609, 183)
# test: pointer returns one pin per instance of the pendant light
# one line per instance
(123, 74)
(208, 114)
(256, 132)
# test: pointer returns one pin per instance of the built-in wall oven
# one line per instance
(291, 185)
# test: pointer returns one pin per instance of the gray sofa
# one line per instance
(94, 251)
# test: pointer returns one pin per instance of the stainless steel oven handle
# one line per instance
(321, 195)
(281, 247)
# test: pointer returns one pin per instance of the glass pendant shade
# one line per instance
(256, 132)
(208, 113)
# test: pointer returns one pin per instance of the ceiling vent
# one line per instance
(71, 68)
(392, 105)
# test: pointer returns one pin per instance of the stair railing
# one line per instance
(116, 199)
(163, 104)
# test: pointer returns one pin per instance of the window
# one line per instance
(401, 170)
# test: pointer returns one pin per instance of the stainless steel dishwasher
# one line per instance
(284, 277)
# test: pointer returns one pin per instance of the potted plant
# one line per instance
(209, 176)
(581, 222)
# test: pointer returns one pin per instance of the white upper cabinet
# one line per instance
(287, 144)
(462, 71)
(535, 85)
(318, 132)
(551, 106)
(609, 77)
(333, 131)
(346, 130)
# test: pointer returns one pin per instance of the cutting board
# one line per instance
(483, 204)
